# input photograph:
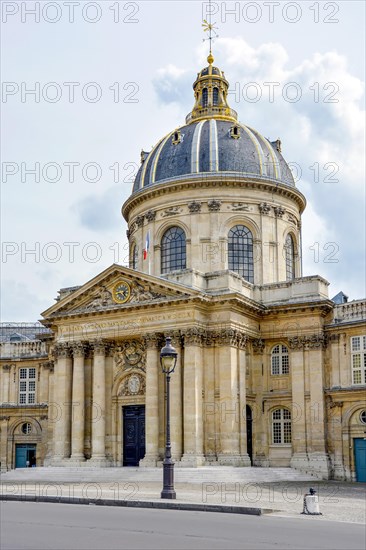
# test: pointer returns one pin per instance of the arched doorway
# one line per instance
(249, 433)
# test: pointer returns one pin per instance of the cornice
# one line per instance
(211, 181)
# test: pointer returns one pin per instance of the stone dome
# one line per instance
(213, 145)
(212, 142)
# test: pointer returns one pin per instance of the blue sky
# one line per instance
(108, 88)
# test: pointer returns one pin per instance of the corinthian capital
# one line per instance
(62, 350)
(99, 347)
(152, 340)
(79, 349)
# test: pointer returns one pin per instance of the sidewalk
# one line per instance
(338, 501)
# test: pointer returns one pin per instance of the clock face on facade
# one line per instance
(121, 292)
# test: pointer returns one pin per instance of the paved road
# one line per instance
(45, 526)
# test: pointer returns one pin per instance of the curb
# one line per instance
(161, 505)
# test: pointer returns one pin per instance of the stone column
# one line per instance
(4, 443)
(5, 383)
(242, 368)
(260, 426)
(98, 414)
(335, 432)
(62, 402)
(299, 459)
(176, 400)
(210, 407)
(229, 453)
(49, 436)
(78, 404)
(192, 392)
(318, 456)
(44, 385)
(152, 401)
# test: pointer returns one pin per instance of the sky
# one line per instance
(87, 85)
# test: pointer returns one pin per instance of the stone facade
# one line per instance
(267, 372)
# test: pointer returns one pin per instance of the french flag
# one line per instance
(147, 245)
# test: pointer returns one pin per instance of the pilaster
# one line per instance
(152, 401)
(192, 392)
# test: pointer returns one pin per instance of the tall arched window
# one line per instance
(134, 256)
(240, 250)
(204, 97)
(279, 360)
(215, 96)
(281, 426)
(173, 250)
(290, 258)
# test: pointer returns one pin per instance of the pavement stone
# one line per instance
(226, 488)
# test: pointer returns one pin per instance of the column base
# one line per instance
(76, 461)
(233, 460)
(300, 461)
(191, 461)
(78, 457)
(149, 461)
(261, 461)
(319, 465)
(99, 462)
(339, 472)
(56, 461)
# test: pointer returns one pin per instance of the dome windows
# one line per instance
(173, 250)
(134, 256)
(205, 97)
(215, 96)
(177, 137)
(235, 132)
(240, 252)
(290, 258)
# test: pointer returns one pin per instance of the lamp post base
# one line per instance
(168, 480)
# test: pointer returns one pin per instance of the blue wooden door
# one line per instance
(360, 459)
(24, 453)
(20, 456)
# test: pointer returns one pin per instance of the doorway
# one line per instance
(24, 454)
(249, 433)
(133, 434)
(360, 458)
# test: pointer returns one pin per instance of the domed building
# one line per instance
(269, 369)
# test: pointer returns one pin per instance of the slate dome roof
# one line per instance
(206, 146)
(212, 142)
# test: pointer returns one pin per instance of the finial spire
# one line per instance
(211, 28)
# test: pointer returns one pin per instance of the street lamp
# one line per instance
(168, 361)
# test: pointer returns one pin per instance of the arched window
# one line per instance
(215, 96)
(204, 97)
(281, 426)
(173, 250)
(290, 258)
(279, 360)
(240, 250)
(134, 256)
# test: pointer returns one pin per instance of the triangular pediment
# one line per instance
(101, 292)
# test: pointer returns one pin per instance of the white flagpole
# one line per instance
(150, 252)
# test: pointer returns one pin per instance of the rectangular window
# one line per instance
(275, 365)
(27, 386)
(358, 359)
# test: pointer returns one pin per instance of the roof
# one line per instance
(212, 146)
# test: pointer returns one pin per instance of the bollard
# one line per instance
(311, 504)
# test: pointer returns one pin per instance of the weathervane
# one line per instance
(210, 27)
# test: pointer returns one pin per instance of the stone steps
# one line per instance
(211, 474)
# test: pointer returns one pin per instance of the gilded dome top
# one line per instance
(212, 142)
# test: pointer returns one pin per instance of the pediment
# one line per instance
(98, 294)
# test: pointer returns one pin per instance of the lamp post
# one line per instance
(168, 361)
